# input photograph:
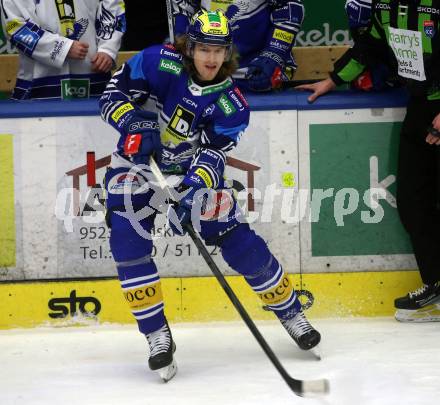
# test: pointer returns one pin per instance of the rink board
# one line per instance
(197, 299)
(305, 176)
(59, 215)
(302, 172)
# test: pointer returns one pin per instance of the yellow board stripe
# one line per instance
(7, 209)
(198, 299)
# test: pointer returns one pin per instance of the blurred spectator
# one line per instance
(66, 48)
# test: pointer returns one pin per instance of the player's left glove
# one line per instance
(179, 213)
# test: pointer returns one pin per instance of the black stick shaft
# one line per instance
(240, 309)
(297, 386)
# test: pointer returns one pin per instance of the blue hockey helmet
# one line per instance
(210, 27)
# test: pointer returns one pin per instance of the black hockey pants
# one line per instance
(418, 187)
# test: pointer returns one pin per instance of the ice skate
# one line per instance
(162, 348)
(421, 305)
(304, 334)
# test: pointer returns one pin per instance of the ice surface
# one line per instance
(368, 362)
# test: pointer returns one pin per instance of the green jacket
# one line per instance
(405, 35)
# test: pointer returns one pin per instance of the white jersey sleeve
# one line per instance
(24, 29)
(110, 22)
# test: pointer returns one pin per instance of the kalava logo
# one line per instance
(75, 88)
(170, 66)
(226, 105)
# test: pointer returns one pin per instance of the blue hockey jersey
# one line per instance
(257, 25)
(198, 124)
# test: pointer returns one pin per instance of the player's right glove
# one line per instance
(140, 137)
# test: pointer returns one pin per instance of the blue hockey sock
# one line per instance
(248, 254)
(142, 290)
(275, 289)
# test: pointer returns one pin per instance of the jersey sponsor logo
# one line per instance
(27, 38)
(179, 127)
(121, 111)
(428, 10)
(75, 88)
(237, 101)
(383, 6)
(429, 28)
(283, 36)
(169, 66)
(240, 94)
(204, 175)
(56, 49)
(226, 106)
(13, 26)
(280, 45)
(278, 294)
(143, 297)
(168, 53)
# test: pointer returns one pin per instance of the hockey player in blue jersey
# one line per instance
(264, 32)
(201, 115)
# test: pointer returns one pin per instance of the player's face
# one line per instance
(208, 60)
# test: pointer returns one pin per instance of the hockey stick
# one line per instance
(299, 387)
(170, 20)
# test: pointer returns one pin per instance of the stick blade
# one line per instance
(313, 388)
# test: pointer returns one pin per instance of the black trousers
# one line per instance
(418, 187)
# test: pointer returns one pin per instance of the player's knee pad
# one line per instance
(245, 251)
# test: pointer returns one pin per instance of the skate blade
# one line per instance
(168, 372)
(430, 313)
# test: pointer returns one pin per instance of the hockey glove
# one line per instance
(192, 202)
(375, 79)
(264, 71)
(358, 12)
(140, 138)
(179, 213)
